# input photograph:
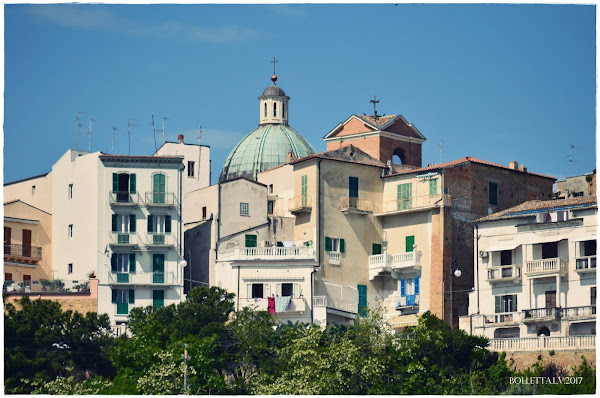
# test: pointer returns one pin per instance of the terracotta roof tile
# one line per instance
(525, 209)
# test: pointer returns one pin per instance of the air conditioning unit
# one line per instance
(483, 254)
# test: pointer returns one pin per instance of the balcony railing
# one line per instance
(394, 262)
(123, 239)
(544, 343)
(583, 312)
(334, 258)
(541, 314)
(408, 301)
(356, 205)
(411, 204)
(267, 253)
(45, 286)
(123, 198)
(160, 199)
(504, 273)
(546, 266)
(299, 204)
(160, 240)
(296, 305)
(585, 264)
(142, 278)
(31, 253)
(338, 304)
(505, 317)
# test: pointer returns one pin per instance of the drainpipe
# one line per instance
(181, 166)
(317, 243)
(477, 263)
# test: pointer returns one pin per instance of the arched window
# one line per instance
(274, 109)
(398, 156)
(283, 109)
(158, 188)
(265, 109)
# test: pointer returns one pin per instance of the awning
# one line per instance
(507, 246)
(398, 321)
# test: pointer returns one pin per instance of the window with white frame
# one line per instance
(70, 231)
(244, 209)
(159, 224)
(70, 191)
(191, 168)
(69, 268)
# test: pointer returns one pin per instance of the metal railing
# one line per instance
(160, 239)
(358, 204)
(17, 250)
(410, 300)
(587, 263)
(543, 343)
(413, 203)
(268, 253)
(160, 199)
(546, 265)
(334, 258)
(143, 278)
(300, 202)
(504, 272)
(339, 304)
(45, 286)
(123, 198)
(123, 238)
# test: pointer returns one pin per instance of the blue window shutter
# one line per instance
(114, 296)
(113, 263)
(417, 285)
(131, 262)
(402, 287)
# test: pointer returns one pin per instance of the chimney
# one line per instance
(513, 165)
(290, 157)
(522, 168)
(180, 138)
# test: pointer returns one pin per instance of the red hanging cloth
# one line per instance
(271, 305)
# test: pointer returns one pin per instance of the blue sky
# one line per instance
(497, 82)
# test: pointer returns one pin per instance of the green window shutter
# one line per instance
(513, 303)
(376, 249)
(498, 304)
(327, 244)
(158, 263)
(131, 296)
(113, 262)
(304, 180)
(353, 187)
(132, 187)
(158, 298)
(251, 240)
(410, 242)
(132, 223)
(115, 222)
(362, 300)
(433, 187)
(342, 246)
(493, 193)
(114, 296)
(131, 262)
(168, 224)
(115, 182)
(150, 222)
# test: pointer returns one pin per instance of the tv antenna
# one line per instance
(112, 140)
(570, 156)
(90, 135)
(129, 125)
(163, 130)
(440, 148)
(78, 125)
(154, 133)
(199, 134)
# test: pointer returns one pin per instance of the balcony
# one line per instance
(583, 312)
(123, 198)
(123, 239)
(20, 253)
(546, 267)
(300, 204)
(338, 304)
(503, 318)
(334, 258)
(585, 264)
(541, 315)
(394, 263)
(415, 203)
(45, 286)
(356, 206)
(543, 343)
(408, 302)
(143, 278)
(158, 240)
(504, 273)
(268, 253)
(296, 305)
(160, 199)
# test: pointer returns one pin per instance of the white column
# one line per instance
(558, 290)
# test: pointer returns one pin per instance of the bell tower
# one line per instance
(273, 103)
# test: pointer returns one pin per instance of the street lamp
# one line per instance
(457, 273)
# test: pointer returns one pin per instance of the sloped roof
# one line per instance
(531, 207)
(379, 123)
(349, 154)
(26, 204)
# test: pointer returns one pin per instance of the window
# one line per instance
(122, 298)
(506, 257)
(123, 223)
(283, 109)
(158, 298)
(191, 169)
(274, 109)
(376, 249)
(362, 300)
(533, 195)
(26, 243)
(410, 287)
(251, 240)
(506, 303)
(404, 196)
(257, 290)
(244, 209)
(70, 269)
(7, 276)
(353, 187)
(334, 245)
(287, 290)
(70, 231)
(122, 262)
(550, 250)
(123, 185)
(433, 187)
(592, 295)
(27, 280)
(270, 188)
(159, 224)
(589, 248)
(158, 268)
(493, 193)
(32, 190)
(7, 240)
(159, 188)
(304, 185)
(70, 191)
(204, 212)
(265, 109)
(410, 243)
(270, 206)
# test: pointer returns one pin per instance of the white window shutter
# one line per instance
(278, 291)
(296, 293)
(249, 291)
(267, 290)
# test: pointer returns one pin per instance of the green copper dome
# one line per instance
(262, 149)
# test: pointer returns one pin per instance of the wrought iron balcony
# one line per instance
(160, 240)
(123, 198)
(356, 205)
(410, 301)
(585, 264)
(504, 273)
(123, 239)
(161, 199)
(300, 204)
(546, 266)
(17, 252)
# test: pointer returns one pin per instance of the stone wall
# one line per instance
(566, 359)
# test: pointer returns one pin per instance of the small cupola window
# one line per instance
(274, 109)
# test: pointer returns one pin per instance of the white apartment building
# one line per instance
(536, 276)
(119, 218)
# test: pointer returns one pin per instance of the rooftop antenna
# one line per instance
(78, 125)
(154, 133)
(112, 140)
(163, 130)
(440, 148)
(90, 135)
(199, 134)
(375, 101)
(129, 125)
(571, 156)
